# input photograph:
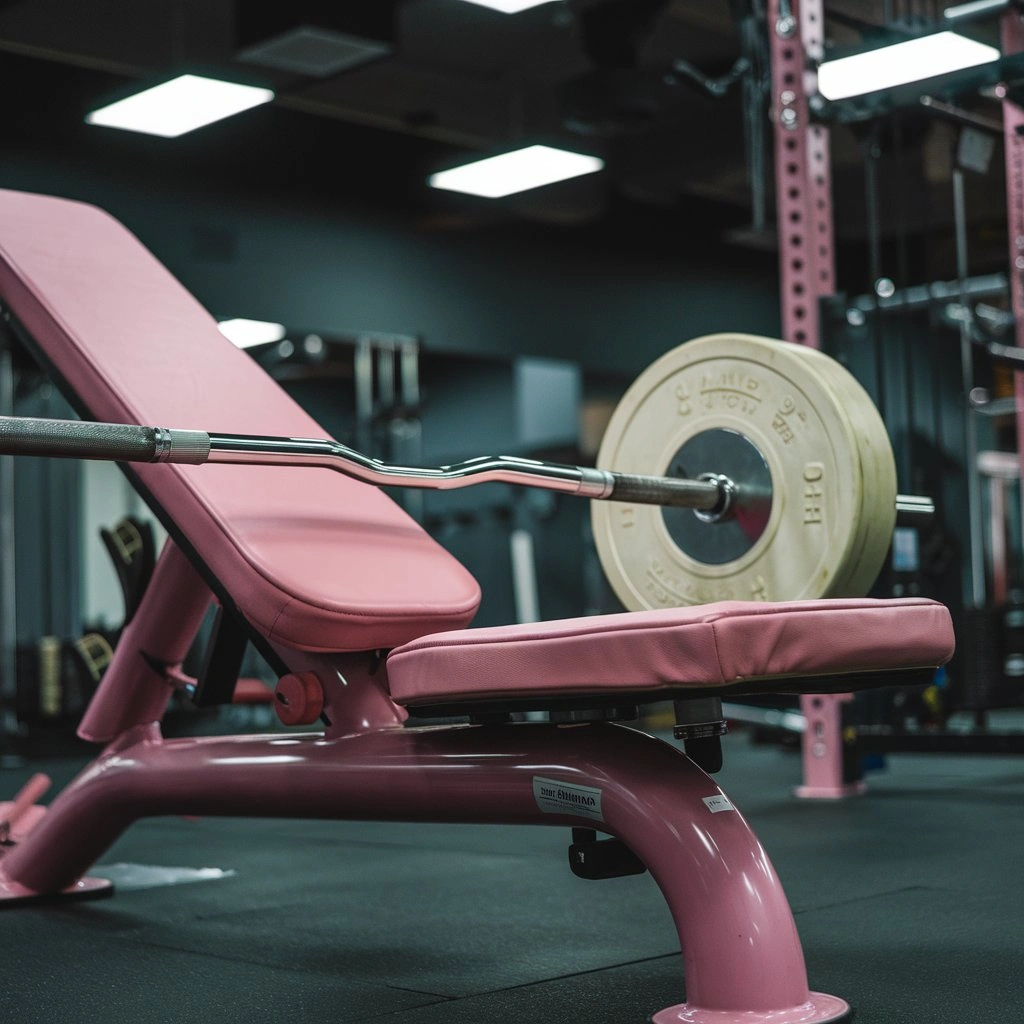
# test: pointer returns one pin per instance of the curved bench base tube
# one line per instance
(742, 955)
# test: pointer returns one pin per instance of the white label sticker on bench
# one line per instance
(555, 797)
(718, 803)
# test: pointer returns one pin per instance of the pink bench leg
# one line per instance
(134, 689)
(742, 955)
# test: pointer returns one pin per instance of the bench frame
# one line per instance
(742, 956)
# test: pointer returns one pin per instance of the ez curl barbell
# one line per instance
(765, 473)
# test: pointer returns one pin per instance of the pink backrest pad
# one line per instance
(313, 559)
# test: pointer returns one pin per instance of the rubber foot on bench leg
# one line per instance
(819, 1009)
(13, 895)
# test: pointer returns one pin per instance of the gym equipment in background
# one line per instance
(57, 676)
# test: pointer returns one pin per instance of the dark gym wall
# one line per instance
(496, 290)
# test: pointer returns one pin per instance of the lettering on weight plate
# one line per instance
(554, 797)
(665, 588)
(783, 429)
(785, 420)
(758, 589)
(685, 406)
(733, 390)
(627, 517)
(813, 492)
(668, 589)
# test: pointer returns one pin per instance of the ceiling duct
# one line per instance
(316, 52)
(316, 39)
(618, 95)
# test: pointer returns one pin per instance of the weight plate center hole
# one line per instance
(728, 533)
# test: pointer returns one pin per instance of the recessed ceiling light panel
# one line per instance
(900, 64)
(508, 6)
(179, 106)
(246, 333)
(517, 171)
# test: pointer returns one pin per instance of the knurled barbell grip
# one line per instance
(78, 440)
(110, 442)
(705, 495)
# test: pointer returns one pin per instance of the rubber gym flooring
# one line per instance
(909, 901)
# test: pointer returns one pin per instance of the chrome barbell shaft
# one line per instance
(121, 442)
(578, 480)
(132, 443)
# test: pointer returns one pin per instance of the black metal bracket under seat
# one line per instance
(222, 660)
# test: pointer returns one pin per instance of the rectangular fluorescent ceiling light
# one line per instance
(901, 64)
(508, 6)
(517, 171)
(179, 106)
(245, 333)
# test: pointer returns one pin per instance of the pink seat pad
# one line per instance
(312, 559)
(713, 645)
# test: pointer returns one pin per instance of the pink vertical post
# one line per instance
(1013, 125)
(134, 689)
(823, 748)
(803, 199)
(803, 204)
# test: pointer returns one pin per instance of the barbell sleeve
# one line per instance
(911, 509)
(705, 495)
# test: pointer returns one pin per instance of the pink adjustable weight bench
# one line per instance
(363, 615)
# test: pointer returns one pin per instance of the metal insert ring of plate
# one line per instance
(716, 540)
(830, 466)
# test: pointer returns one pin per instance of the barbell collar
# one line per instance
(185, 447)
